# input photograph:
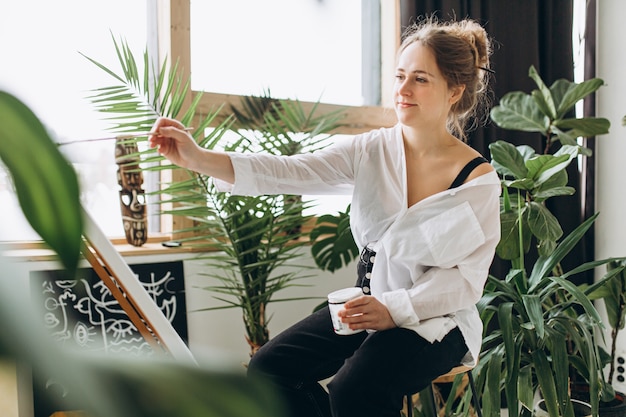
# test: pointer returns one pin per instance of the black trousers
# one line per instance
(371, 371)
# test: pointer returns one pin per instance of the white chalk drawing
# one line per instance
(83, 313)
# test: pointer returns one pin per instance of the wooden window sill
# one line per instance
(38, 251)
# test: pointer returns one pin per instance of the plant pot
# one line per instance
(614, 408)
(581, 409)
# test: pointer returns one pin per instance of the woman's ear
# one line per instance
(456, 93)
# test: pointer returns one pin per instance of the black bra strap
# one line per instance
(467, 169)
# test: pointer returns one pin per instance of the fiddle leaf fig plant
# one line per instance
(531, 177)
(548, 111)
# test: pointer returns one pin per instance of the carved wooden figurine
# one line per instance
(132, 196)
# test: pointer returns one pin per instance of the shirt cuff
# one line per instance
(243, 170)
(222, 186)
(399, 305)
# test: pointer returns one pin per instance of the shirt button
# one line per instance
(366, 290)
(372, 259)
(368, 275)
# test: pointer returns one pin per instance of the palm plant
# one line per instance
(281, 127)
(247, 239)
(333, 245)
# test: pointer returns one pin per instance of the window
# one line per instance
(41, 42)
(335, 59)
(308, 50)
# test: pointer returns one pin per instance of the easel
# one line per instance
(130, 294)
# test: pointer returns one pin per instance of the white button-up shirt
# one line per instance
(432, 259)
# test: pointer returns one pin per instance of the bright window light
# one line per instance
(41, 43)
(304, 49)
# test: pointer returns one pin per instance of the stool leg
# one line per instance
(475, 398)
(409, 405)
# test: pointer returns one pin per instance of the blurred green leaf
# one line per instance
(542, 223)
(507, 159)
(162, 388)
(45, 182)
(126, 385)
(589, 126)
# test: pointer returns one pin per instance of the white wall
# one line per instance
(610, 228)
(223, 330)
(611, 148)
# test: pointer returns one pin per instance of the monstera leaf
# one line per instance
(333, 244)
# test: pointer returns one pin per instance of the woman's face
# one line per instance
(421, 94)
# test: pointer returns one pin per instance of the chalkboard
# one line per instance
(81, 313)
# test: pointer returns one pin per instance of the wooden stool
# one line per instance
(447, 378)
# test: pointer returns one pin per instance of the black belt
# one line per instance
(364, 270)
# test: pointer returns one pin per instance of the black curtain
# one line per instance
(524, 33)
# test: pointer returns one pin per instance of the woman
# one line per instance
(424, 211)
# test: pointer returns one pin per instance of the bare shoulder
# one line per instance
(481, 170)
(468, 153)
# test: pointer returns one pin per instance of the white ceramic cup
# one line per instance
(336, 300)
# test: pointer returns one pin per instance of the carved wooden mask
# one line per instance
(132, 196)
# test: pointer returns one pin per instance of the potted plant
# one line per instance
(271, 234)
(611, 289)
(246, 238)
(48, 192)
(613, 297)
(544, 322)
